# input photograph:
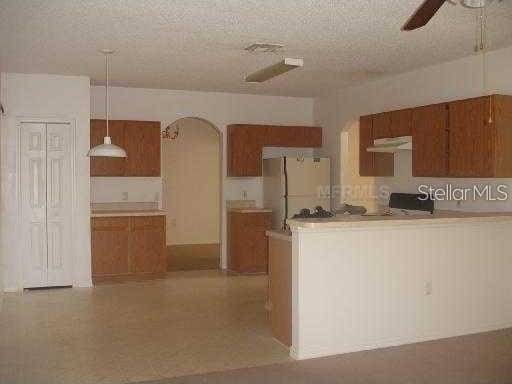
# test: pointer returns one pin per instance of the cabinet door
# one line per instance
(401, 123)
(147, 244)
(244, 146)
(258, 224)
(382, 125)
(472, 139)
(365, 141)
(108, 166)
(110, 245)
(142, 148)
(312, 137)
(430, 141)
(247, 241)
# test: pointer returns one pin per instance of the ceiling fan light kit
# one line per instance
(274, 70)
(429, 8)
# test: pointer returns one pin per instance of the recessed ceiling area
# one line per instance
(199, 44)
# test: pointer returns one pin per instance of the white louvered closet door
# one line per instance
(46, 204)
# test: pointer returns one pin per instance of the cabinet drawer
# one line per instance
(147, 222)
(110, 224)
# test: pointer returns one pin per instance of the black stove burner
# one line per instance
(318, 214)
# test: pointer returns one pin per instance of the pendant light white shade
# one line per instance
(107, 149)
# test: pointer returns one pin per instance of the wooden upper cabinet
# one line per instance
(371, 163)
(502, 109)
(382, 125)
(463, 138)
(142, 144)
(471, 139)
(401, 123)
(392, 124)
(430, 141)
(246, 142)
(244, 154)
(140, 139)
(108, 166)
(365, 140)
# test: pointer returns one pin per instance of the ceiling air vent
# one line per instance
(264, 47)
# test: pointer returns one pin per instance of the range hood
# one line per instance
(391, 145)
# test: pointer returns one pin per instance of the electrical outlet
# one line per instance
(428, 288)
(124, 196)
(244, 195)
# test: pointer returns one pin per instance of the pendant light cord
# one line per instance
(106, 90)
(482, 47)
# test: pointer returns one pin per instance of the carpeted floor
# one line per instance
(480, 358)
(193, 257)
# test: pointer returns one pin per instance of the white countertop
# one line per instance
(358, 221)
(122, 212)
(281, 235)
(250, 210)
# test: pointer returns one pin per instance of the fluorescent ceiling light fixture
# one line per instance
(274, 70)
(107, 149)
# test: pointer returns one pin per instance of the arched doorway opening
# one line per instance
(354, 189)
(191, 177)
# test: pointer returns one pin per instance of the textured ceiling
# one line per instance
(198, 44)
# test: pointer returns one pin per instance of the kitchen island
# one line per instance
(365, 282)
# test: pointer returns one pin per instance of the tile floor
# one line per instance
(190, 322)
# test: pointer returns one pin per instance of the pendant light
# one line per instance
(107, 149)
(481, 47)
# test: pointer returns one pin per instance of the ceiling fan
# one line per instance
(428, 9)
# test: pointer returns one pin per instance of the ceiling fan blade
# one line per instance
(423, 14)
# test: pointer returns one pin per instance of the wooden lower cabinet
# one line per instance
(125, 246)
(147, 245)
(280, 288)
(247, 242)
(110, 246)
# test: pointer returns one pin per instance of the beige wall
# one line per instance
(43, 97)
(449, 81)
(191, 183)
(357, 190)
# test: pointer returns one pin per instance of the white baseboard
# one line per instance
(379, 344)
(83, 284)
(11, 289)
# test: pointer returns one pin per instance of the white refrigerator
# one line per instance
(291, 184)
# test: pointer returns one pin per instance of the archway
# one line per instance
(192, 183)
(354, 189)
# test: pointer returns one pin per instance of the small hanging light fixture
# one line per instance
(481, 46)
(107, 149)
